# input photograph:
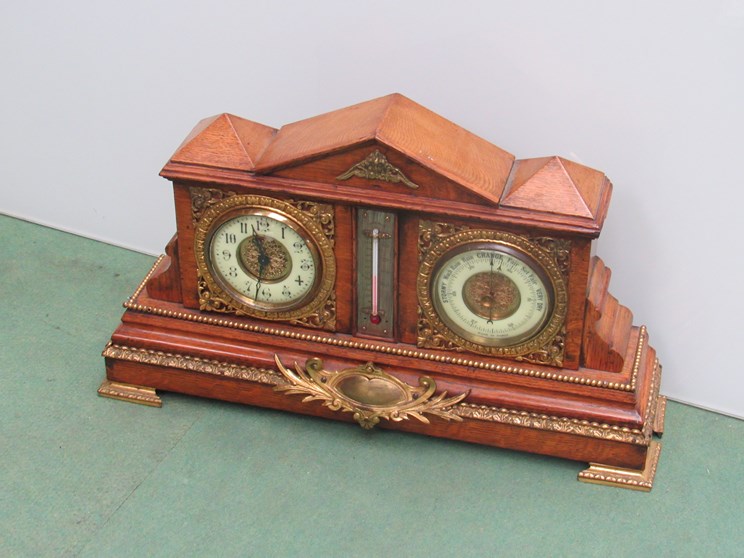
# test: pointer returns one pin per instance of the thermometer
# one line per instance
(375, 273)
(374, 315)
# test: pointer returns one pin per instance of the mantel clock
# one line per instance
(380, 264)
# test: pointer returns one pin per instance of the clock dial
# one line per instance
(491, 295)
(264, 259)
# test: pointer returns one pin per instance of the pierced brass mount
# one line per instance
(376, 167)
(368, 392)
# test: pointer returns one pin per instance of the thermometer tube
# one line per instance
(375, 314)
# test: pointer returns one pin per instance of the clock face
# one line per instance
(491, 294)
(262, 257)
(264, 260)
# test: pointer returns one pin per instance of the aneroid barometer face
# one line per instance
(263, 256)
(492, 292)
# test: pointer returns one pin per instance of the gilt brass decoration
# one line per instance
(368, 392)
(203, 198)
(321, 213)
(564, 425)
(377, 167)
(193, 364)
(431, 233)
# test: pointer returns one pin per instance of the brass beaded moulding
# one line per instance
(391, 349)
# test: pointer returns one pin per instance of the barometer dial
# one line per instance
(491, 295)
(491, 292)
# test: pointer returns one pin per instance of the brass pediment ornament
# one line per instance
(376, 167)
(368, 392)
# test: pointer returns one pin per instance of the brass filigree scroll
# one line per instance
(376, 167)
(203, 198)
(368, 392)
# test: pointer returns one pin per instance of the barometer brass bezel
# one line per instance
(538, 259)
(219, 295)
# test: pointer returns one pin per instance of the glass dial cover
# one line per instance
(491, 294)
(264, 260)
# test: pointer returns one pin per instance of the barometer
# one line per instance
(492, 292)
(381, 265)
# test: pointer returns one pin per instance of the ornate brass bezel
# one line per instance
(217, 296)
(433, 331)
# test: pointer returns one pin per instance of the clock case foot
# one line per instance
(642, 479)
(607, 419)
(127, 392)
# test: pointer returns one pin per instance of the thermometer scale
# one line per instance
(375, 270)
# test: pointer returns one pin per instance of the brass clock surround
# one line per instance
(539, 261)
(216, 293)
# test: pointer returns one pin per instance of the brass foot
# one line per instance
(625, 478)
(127, 392)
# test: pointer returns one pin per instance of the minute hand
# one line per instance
(262, 259)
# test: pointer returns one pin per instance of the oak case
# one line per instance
(579, 382)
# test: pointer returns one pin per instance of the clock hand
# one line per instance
(263, 259)
(490, 293)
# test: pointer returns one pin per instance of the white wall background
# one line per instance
(97, 95)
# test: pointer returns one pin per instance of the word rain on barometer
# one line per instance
(381, 265)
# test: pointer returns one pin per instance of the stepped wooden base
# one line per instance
(585, 415)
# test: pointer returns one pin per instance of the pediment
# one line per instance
(401, 130)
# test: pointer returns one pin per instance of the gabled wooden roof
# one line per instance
(556, 185)
(225, 141)
(396, 122)
(321, 149)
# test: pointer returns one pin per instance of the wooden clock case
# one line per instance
(591, 393)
